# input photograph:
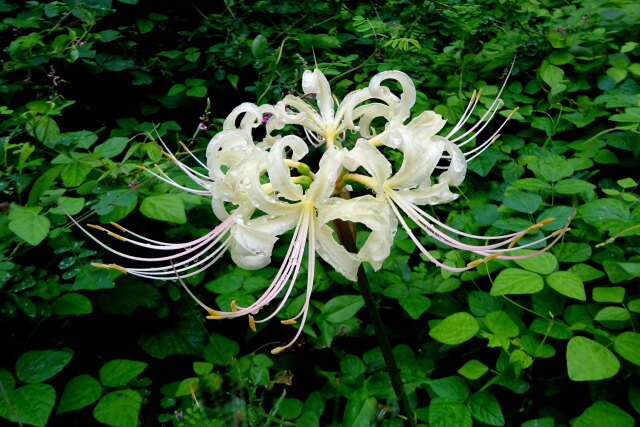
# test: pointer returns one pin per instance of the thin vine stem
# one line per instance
(346, 234)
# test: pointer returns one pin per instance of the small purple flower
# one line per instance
(179, 415)
(309, 95)
(202, 126)
(266, 118)
(55, 81)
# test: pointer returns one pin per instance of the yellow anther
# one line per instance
(118, 226)
(234, 308)
(277, 350)
(474, 263)
(183, 145)
(141, 167)
(117, 236)
(216, 317)
(512, 113)
(97, 227)
(98, 265)
(492, 256)
(252, 323)
(118, 267)
(533, 227)
(547, 221)
(212, 312)
(170, 157)
(288, 322)
(561, 231)
(512, 244)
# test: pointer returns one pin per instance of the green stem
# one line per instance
(346, 235)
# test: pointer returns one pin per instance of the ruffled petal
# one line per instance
(279, 172)
(251, 248)
(342, 261)
(370, 159)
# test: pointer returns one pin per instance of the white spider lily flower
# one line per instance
(404, 194)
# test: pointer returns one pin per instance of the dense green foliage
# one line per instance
(86, 88)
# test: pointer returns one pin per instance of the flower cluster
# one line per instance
(261, 189)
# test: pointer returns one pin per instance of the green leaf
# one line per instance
(119, 408)
(573, 186)
(72, 206)
(144, 25)
(72, 303)
(73, 174)
(539, 422)
(259, 45)
(415, 305)
(554, 168)
(608, 294)
(176, 89)
(603, 414)
(118, 372)
(485, 408)
(627, 345)
(453, 387)
(473, 369)
(111, 147)
(220, 350)
(360, 409)
(38, 366)
(568, 284)
(455, 329)
(342, 308)
(612, 314)
(550, 74)
(352, 365)
(42, 184)
(198, 91)
(184, 336)
(445, 412)
(27, 224)
(290, 409)
(532, 184)
(516, 281)
(80, 391)
(44, 129)
(6, 380)
(572, 252)
(521, 201)
(543, 263)
(588, 360)
(31, 404)
(602, 209)
(500, 323)
(164, 207)
(233, 79)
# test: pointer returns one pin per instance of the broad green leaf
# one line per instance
(80, 391)
(360, 409)
(259, 45)
(74, 174)
(202, 368)
(118, 372)
(72, 303)
(144, 25)
(485, 408)
(532, 184)
(473, 369)
(612, 314)
(6, 380)
(516, 281)
(68, 205)
(31, 404)
(554, 168)
(573, 186)
(627, 345)
(40, 365)
(539, 422)
(453, 387)
(544, 263)
(290, 409)
(522, 201)
(455, 329)
(352, 365)
(42, 184)
(500, 323)
(445, 412)
(634, 305)
(27, 224)
(111, 147)
(572, 251)
(119, 408)
(342, 308)
(44, 129)
(588, 360)
(567, 284)
(220, 350)
(602, 209)
(198, 91)
(603, 414)
(608, 294)
(586, 272)
(183, 336)
(415, 305)
(164, 207)
(550, 74)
